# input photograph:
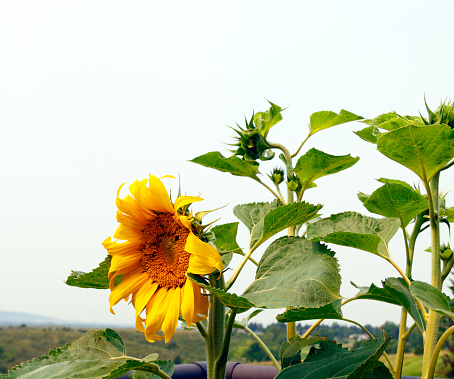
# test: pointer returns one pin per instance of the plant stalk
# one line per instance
(264, 347)
(434, 317)
(216, 323)
(221, 362)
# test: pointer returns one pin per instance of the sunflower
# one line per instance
(160, 246)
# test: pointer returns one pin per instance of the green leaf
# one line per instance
(424, 150)
(375, 293)
(396, 181)
(395, 123)
(355, 230)
(241, 324)
(316, 164)
(379, 371)
(225, 241)
(330, 311)
(233, 164)
(333, 362)
(398, 289)
(97, 354)
(369, 134)
(266, 120)
(377, 121)
(292, 347)
(168, 367)
(264, 220)
(229, 299)
(396, 200)
(94, 279)
(326, 119)
(448, 213)
(295, 272)
(431, 297)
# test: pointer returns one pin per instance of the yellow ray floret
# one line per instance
(159, 247)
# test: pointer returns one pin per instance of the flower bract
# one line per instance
(158, 247)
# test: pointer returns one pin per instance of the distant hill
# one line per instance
(8, 318)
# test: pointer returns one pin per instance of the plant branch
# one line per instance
(264, 347)
(311, 329)
(271, 190)
(202, 330)
(436, 352)
(237, 271)
(302, 144)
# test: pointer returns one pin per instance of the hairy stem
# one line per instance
(221, 362)
(216, 322)
(264, 347)
(436, 353)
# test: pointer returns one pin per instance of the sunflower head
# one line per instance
(159, 246)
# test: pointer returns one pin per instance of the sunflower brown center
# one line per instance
(164, 258)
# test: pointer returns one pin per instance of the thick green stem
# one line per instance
(434, 317)
(221, 362)
(216, 322)
(401, 345)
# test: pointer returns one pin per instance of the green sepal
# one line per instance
(264, 121)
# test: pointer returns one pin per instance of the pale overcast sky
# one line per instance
(97, 93)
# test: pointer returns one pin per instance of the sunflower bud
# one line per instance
(445, 252)
(294, 184)
(277, 176)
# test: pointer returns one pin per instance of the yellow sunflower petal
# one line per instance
(171, 320)
(188, 306)
(126, 233)
(185, 200)
(130, 221)
(141, 298)
(114, 247)
(128, 205)
(122, 261)
(124, 271)
(130, 283)
(204, 250)
(202, 307)
(156, 312)
(159, 199)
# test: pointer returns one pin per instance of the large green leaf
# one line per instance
(431, 297)
(396, 200)
(424, 150)
(229, 299)
(290, 350)
(225, 241)
(266, 219)
(379, 371)
(334, 362)
(94, 279)
(398, 289)
(326, 119)
(315, 164)
(295, 272)
(233, 164)
(355, 230)
(330, 311)
(97, 354)
(377, 121)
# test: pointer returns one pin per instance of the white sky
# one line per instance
(97, 93)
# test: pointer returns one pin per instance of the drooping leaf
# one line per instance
(93, 279)
(266, 120)
(424, 150)
(229, 299)
(168, 367)
(292, 347)
(396, 200)
(295, 272)
(375, 293)
(333, 362)
(369, 134)
(241, 324)
(266, 219)
(355, 230)
(316, 164)
(234, 165)
(225, 241)
(98, 354)
(431, 297)
(326, 119)
(397, 288)
(330, 311)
